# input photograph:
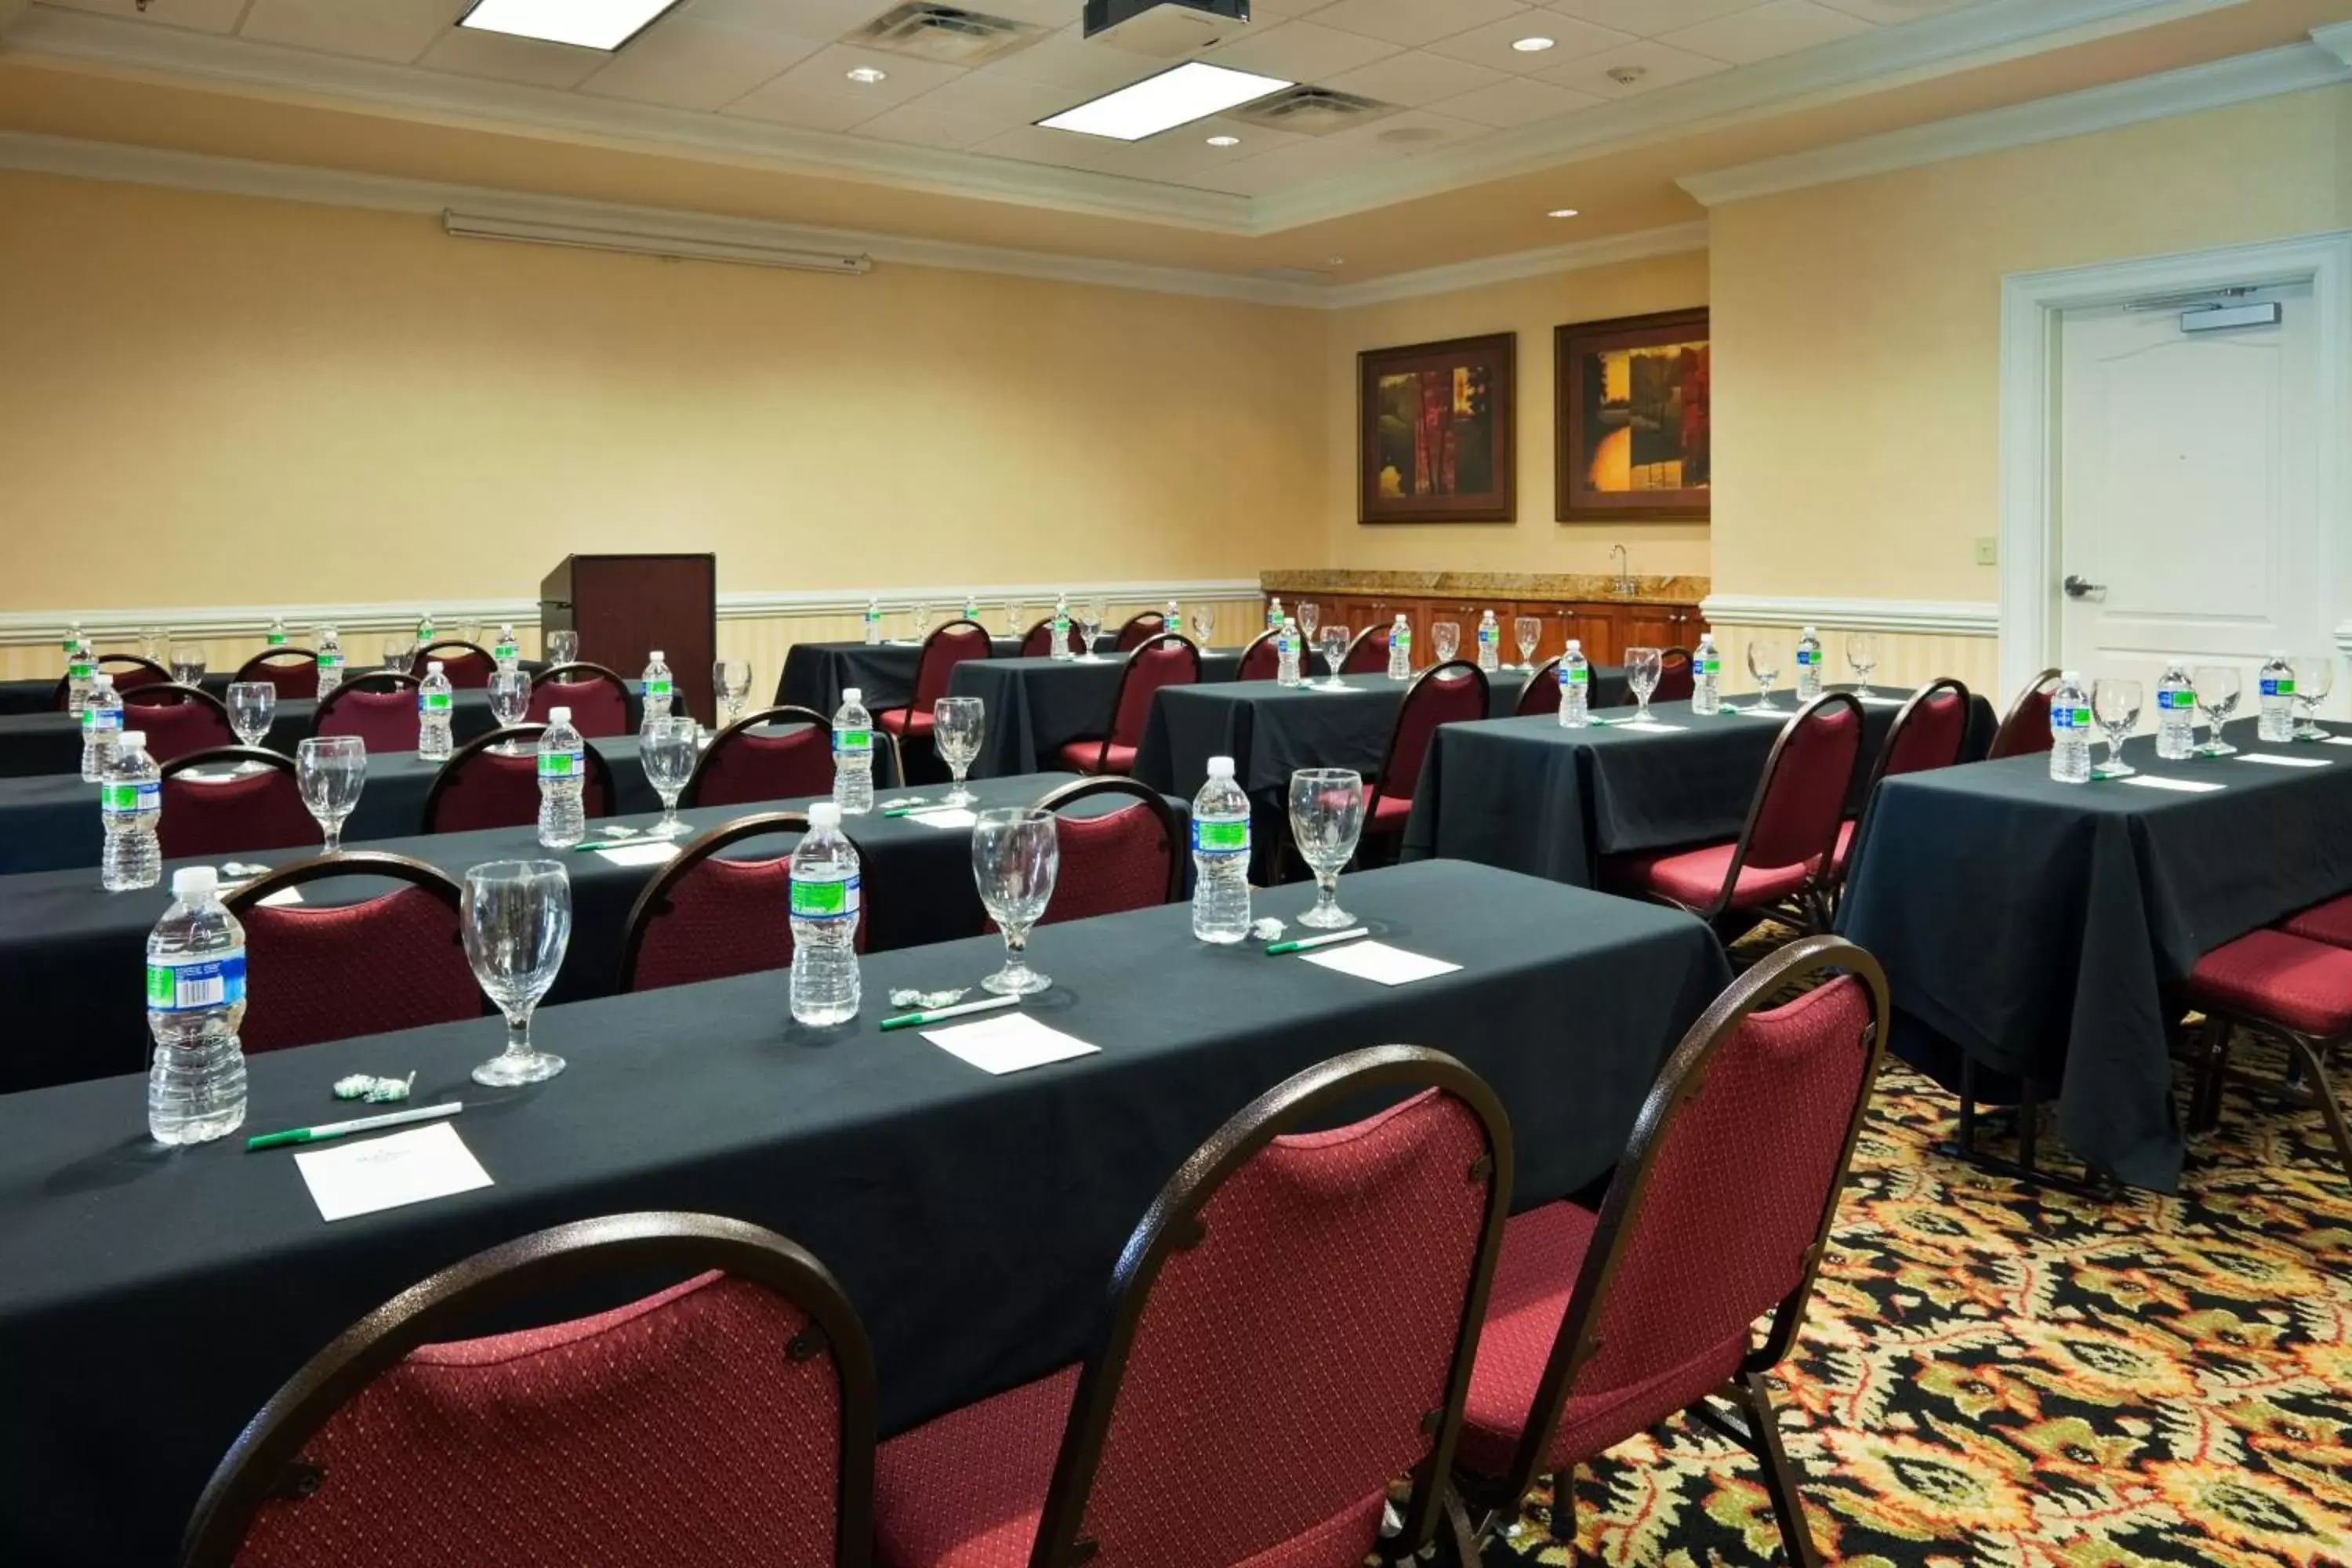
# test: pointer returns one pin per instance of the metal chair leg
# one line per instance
(1779, 1478)
(2324, 1091)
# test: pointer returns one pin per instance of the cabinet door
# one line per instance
(1649, 625)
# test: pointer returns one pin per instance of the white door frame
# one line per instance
(2030, 306)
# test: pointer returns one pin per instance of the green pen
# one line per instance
(358, 1124)
(1275, 950)
(938, 1014)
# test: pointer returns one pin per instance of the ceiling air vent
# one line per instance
(1311, 111)
(945, 34)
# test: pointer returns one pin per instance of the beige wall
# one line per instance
(1531, 308)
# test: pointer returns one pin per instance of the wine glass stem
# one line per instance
(518, 1035)
(669, 813)
(332, 831)
(1326, 889)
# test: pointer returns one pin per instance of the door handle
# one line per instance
(2079, 588)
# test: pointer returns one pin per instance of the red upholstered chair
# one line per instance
(2330, 922)
(379, 706)
(467, 665)
(753, 760)
(1678, 677)
(129, 672)
(232, 815)
(1130, 859)
(293, 671)
(1541, 693)
(945, 649)
(1170, 660)
(728, 1419)
(706, 918)
(598, 698)
(395, 960)
(1286, 1338)
(2286, 988)
(1038, 642)
(1140, 629)
(177, 719)
(1601, 1326)
(1262, 658)
(1453, 692)
(1777, 864)
(481, 787)
(2026, 729)
(1369, 654)
(1931, 731)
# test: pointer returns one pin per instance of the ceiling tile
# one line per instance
(1515, 100)
(1066, 60)
(1892, 12)
(1647, 18)
(1411, 131)
(1414, 77)
(826, 19)
(827, 71)
(686, 63)
(1062, 149)
(1300, 51)
(989, 95)
(370, 29)
(788, 102)
(1491, 45)
(913, 123)
(1413, 23)
(1315, 158)
(1780, 27)
(469, 52)
(202, 15)
(1661, 65)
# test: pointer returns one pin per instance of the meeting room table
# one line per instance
(2044, 930)
(40, 696)
(50, 742)
(1034, 706)
(816, 673)
(71, 952)
(154, 1298)
(1529, 795)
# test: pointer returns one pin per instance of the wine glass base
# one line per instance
(2216, 749)
(508, 1069)
(1763, 707)
(959, 795)
(666, 830)
(2309, 730)
(1011, 982)
(2114, 771)
(1333, 918)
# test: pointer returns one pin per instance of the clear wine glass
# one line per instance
(1327, 817)
(1334, 654)
(2219, 686)
(1642, 667)
(1310, 614)
(510, 694)
(473, 630)
(397, 655)
(1862, 655)
(1091, 615)
(1764, 664)
(252, 705)
(188, 663)
(957, 725)
(732, 679)
(1013, 619)
(562, 647)
(668, 747)
(2314, 677)
(1015, 855)
(1528, 632)
(517, 915)
(1444, 639)
(2114, 703)
(152, 641)
(330, 770)
(921, 617)
(1204, 623)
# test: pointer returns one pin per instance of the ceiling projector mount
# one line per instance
(1168, 29)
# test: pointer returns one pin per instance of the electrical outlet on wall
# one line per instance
(1987, 550)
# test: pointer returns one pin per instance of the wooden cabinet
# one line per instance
(1658, 625)
(1606, 627)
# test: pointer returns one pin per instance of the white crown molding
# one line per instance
(2344, 639)
(2294, 68)
(1951, 617)
(2335, 38)
(1510, 268)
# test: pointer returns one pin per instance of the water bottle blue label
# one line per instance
(182, 984)
(1221, 837)
(852, 742)
(1805, 656)
(563, 764)
(95, 718)
(2181, 701)
(2278, 686)
(132, 799)
(1574, 675)
(2070, 718)
(833, 899)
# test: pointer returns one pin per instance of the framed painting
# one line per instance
(1436, 421)
(1632, 414)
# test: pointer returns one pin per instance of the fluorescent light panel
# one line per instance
(1191, 91)
(587, 24)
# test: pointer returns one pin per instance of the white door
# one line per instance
(2189, 503)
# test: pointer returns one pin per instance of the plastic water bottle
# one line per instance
(1490, 644)
(423, 630)
(72, 640)
(1400, 650)
(1575, 687)
(434, 697)
(1808, 665)
(1062, 627)
(2277, 687)
(130, 803)
(971, 606)
(1706, 678)
(852, 754)
(276, 637)
(1273, 614)
(505, 649)
(195, 1000)
(824, 902)
(2176, 714)
(1221, 853)
(1286, 648)
(2070, 731)
(1171, 617)
(873, 623)
(656, 688)
(330, 662)
(101, 728)
(562, 772)
(79, 668)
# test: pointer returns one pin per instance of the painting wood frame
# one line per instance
(1575, 423)
(1498, 352)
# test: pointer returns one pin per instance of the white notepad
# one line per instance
(2185, 786)
(2272, 759)
(952, 816)
(1378, 961)
(372, 1174)
(653, 854)
(1651, 727)
(1008, 1042)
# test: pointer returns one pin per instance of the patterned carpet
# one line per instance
(1989, 1377)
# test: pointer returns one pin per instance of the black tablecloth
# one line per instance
(70, 953)
(40, 696)
(154, 1299)
(815, 672)
(1527, 795)
(2038, 926)
(1036, 706)
(50, 742)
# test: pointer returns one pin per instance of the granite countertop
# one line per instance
(1581, 586)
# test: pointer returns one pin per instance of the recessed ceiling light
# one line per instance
(866, 76)
(1193, 90)
(586, 24)
(1561, 212)
(1225, 141)
(1535, 45)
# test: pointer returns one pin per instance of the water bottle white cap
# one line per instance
(132, 740)
(825, 814)
(558, 715)
(1221, 767)
(1810, 632)
(432, 667)
(1290, 623)
(194, 882)
(852, 694)
(654, 658)
(2070, 678)
(1576, 645)
(100, 677)
(2279, 654)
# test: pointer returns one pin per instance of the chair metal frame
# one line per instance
(441, 647)
(1545, 677)
(1053, 800)
(353, 863)
(1404, 714)
(181, 694)
(62, 697)
(1670, 662)
(599, 770)
(1070, 638)
(265, 1462)
(1263, 639)
(1136, 622)
(2307, 1055)
(1119, 698)
(1348, 662)
(1833, 876)
(258, 666)
(239, 753)
(654, 898)
(559, 674)
(988, 650)
(2004, 737)
(785, 713)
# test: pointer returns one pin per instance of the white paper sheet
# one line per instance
(952, 816)
(1008, 1042)
(1652, 727)
(1746, 712)
(371, 1173)
(1378, 961)
(2272, 759)
(2338, 740)
(2184, 786)
(653, 854)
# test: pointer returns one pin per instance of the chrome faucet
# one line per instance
(1625, 585)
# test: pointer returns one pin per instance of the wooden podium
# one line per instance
(623, 607)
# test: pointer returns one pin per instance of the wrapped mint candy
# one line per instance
(374, 1090)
